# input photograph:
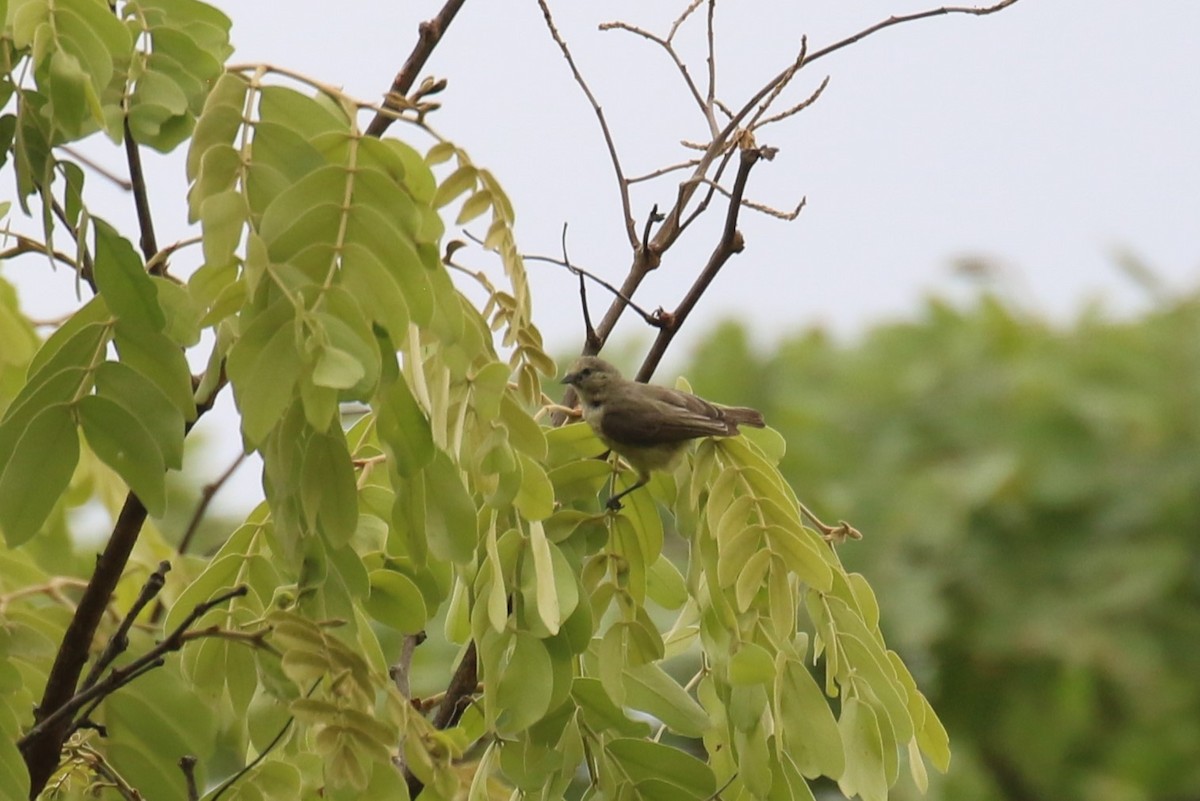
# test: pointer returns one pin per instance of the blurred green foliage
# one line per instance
(1030, 496)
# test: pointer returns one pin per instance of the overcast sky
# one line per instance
(1046, 137)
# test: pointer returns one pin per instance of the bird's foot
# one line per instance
(614, 504)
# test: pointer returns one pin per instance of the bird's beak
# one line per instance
(570, 378)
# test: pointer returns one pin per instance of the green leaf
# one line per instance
(525, 684)
(600, 711)
(459, 181)
(752, 664)
(264, 365)
(123, 443)
(809, 731)
(396, 601)
(535, 499)
(665, 585)
(122, 280)
(145, 402)
(864, 775)
(933, 739)
(580, 480)
(650, 689)
(158, 358)
(404, 429)
(328, 489)
(37, 472)
(217, 126)
(449, 511)
(643, 760)
(544, 575)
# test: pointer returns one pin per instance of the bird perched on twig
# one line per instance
(649, 426)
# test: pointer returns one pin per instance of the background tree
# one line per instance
(437, 506)
(1030, 492)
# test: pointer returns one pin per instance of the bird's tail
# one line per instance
(743, 415)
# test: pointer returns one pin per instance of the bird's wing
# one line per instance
(656, 415)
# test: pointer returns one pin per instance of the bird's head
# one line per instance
(591, 377)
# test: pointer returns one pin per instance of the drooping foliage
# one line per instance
(412, 486)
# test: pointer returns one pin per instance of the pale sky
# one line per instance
(1047, 137)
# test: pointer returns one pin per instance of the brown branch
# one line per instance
(98, 168)
(429, 34)
(796, 109)
(730, 243)
(650, 317)
(665, 44)
(462, 686)
(976, 11)
(61, 717)
(42, 744)
(119, 641)
(141, 200)
(622, 184)
(206, 495)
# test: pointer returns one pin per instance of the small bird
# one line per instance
(649, 426)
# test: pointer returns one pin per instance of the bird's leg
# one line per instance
(614, 502)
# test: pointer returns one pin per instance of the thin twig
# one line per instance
(187, 764)
(97, 168)
(283, 730)
(206, 495)
(796, 109)
(622, 184)
(121, 676)
(976, 11)
(429, 34)
(687, 12)
(711, 58)
(463, 684)
(763, 208)
(705, 108)
(650, 317)
(589, 330)
(652, 219)
(683, 165)
(141, 199)
(730, 243)
(119, 641)
(27, 245)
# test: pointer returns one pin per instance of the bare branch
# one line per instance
(664, 170)
(61, 716)
(687, 12)
(665, 44)
(27, 245)
(98, 168)
(786, 78)
(206, 495)
(976, 11)
(729, 244)
(119, 641)
(622, 184)
(711, 37)
(796, 109)
(650, 317)
(428, 35)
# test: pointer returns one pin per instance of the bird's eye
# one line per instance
(585, 372)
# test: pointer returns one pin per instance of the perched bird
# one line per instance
(649, 426)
